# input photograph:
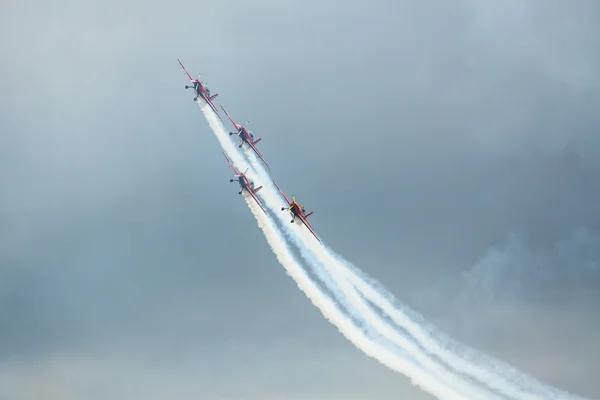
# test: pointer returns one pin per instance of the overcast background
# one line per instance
(449, 149)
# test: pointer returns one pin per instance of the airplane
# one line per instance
(247, 136)
(201, 90)
(297, 210)
(245, 183)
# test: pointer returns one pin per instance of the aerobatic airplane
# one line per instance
(245, 183)
(246, 136)
(297, 210)
(201, 90)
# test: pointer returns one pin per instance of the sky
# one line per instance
(449, 150)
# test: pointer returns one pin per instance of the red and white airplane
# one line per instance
(245, 183)
(297, 210)
(246, 136)
(201, 90)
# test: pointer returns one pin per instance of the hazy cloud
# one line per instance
(449, 150)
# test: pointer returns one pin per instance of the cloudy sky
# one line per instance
(448, 149)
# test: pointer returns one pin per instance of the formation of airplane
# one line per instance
(296, 210)
(201, 90)
(246, 135)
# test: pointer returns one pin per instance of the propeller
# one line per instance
(246, 170)
(294, 200)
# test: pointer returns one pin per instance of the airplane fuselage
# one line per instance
(296, 210)
(200, 89)
(244, 182)
(245, 134)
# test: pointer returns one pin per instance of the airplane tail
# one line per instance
(257, 140)
(257, 189)
(211, 98)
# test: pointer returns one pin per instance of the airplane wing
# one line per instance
(309, 226)
(253, 146)
(281, 191)
(231, 119)
(255, 197)
(188, 74)
(231, 164)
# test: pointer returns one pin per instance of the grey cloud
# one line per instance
(515, 271)
(420, 133)
(76, 376)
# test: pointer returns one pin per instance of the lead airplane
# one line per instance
(201, 90)
(247, 136)
(245, 183)
(297, 210)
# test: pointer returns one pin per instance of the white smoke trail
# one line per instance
(317, 256)
(495, 375)
(416, 342)
(271, 196)
(498, 377)
(268, 190)
(413, 349)
(349, 280)
(485, 369)
(426, 380)
(333, 314)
